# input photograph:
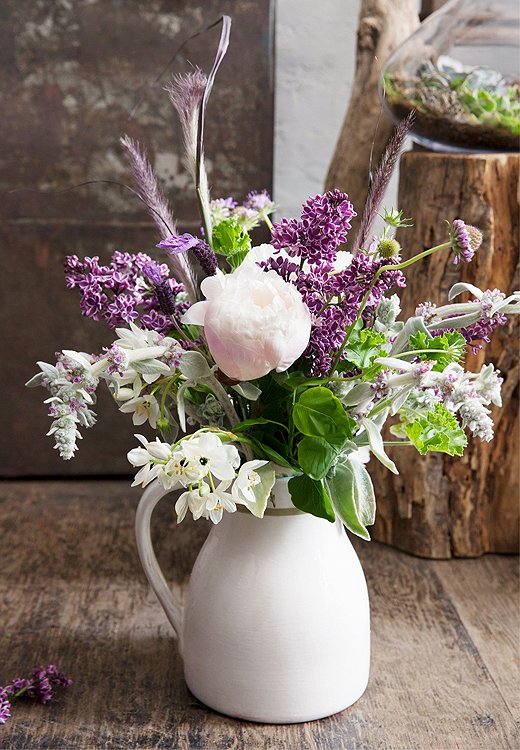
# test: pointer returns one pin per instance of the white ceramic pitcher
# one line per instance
(276, 624)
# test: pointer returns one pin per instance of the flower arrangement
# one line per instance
(283, 359)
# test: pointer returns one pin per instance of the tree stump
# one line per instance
(439, 506)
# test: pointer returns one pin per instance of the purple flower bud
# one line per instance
(465, 240)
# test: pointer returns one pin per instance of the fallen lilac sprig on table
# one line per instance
(39, 686)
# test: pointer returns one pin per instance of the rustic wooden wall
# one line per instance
(70, 74)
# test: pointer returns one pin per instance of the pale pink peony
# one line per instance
(254, 322)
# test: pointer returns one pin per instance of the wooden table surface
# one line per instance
(445, 638)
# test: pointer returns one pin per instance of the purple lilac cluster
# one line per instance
(39, 686)
(322, 227)
(121, 293)
(333, 298)
(465, 240)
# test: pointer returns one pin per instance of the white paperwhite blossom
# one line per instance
(143, 408)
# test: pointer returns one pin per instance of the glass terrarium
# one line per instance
(460, 72)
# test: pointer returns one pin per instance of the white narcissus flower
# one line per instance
(208, 451)
(144, 409)
(254, 322)
(147, 458)
(216, 502)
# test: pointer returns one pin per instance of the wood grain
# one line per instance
(463, 507)
(72, 592)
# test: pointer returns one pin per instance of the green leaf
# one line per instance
(362, 351)
(318, 413)
(316, 456)
(310, 496)
(452, 343)
(247, 423)
(437, 430)
(265, 451)
(232, 241)
(351, 491)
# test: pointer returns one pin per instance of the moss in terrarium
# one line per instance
(473, 107)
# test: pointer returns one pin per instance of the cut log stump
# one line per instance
(438, 506)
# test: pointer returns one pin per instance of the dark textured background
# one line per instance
(70, 73)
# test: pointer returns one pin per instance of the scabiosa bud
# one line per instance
(465, 240)
(388, 247)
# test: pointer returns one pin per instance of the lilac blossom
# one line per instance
(334, 298)
(465, 240)
(322, 227)
(121, 292)
(5, 707)
(39, 686)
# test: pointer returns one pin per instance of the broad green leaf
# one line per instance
(352, 495)
(437, 430)
(318, 413)
(265, 451)
(316, 456)
(252, 422)
(362, 350)
(310, 496)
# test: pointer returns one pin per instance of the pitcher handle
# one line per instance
(170, 601)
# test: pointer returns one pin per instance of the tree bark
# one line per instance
(383, 26)
(438, 506)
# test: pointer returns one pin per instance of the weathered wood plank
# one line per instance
(495, 629)
(72, 592)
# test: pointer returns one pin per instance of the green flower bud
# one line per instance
(388, 248)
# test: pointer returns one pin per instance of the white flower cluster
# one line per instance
(195, 463)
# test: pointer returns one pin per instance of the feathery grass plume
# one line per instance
(380, 181)
(152, 196)
(186, 93)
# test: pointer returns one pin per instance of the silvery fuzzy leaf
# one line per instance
(462, 286)
(248, 390)
(400, 399)
(194, 366)
(50, 371)
(459, 321)
(35, 380)
(151, 367)
(376, 444)
(80, 357)
(365, 492)
(410, 328)
(359, 394)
